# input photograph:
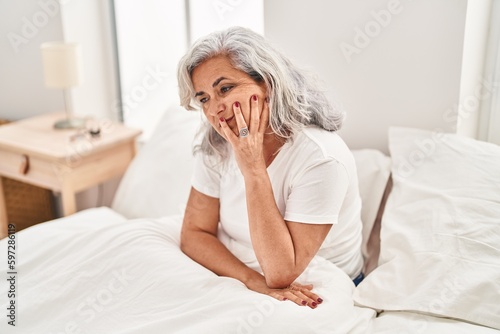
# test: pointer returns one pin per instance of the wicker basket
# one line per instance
(27, 204)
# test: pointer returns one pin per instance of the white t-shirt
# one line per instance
(314, 181)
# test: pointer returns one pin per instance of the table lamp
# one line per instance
(62, 67)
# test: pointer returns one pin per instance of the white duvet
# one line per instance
(96, 272)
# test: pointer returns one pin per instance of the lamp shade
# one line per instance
(62, 64)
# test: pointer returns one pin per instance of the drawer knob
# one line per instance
(24, 167)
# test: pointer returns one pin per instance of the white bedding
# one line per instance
(96, 272)
(410, 322)
(440, 230)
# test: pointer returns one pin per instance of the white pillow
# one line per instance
(440, 232)
(157, 182)
(374, 169)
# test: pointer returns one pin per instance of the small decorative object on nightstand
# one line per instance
(70, 161)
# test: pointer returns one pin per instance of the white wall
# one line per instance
(24, 26)
(408, 74)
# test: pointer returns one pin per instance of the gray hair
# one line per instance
(294, 99)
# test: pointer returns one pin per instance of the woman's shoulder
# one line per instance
(320, 143)
(314, 146)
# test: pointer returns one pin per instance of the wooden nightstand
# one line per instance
(32, 151)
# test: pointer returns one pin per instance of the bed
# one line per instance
(431, 239)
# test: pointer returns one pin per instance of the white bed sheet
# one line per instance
(96, 272)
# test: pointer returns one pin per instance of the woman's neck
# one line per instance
(272, 145)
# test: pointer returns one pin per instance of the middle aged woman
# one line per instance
(271, 171)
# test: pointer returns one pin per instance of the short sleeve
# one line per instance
(205, 179)
(317, 193)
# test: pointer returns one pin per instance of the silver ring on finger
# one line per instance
(244, 132)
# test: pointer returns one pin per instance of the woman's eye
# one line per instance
(203, 100)
(226, 89)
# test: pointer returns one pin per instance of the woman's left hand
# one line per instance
(248, 145)
(299, 294)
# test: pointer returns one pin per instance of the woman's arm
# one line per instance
(199, 241)
(283, 249)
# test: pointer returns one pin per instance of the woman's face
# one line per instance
(218, 85)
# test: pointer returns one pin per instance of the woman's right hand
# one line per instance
(296, 293)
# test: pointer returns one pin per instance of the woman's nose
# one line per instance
(217, 107)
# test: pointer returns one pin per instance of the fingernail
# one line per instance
(284, 298)
(320, 300)
(221, 119)
(314, 304)
(304, 302)
(237, 104)
(254, 98)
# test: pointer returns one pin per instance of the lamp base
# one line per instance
(70, 123)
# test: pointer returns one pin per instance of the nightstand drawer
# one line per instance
(28, 169)
(92, 169)
(78, 173)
